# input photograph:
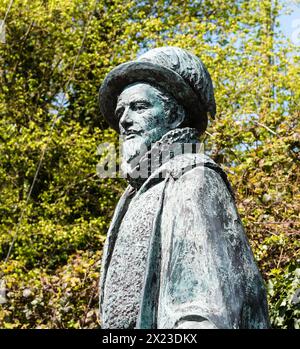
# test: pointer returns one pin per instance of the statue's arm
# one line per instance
(208, 269)
(197, 325)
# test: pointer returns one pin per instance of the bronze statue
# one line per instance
(176, 255)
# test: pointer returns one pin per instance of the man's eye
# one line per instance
(140, 106)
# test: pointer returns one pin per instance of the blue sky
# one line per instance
(290, 24)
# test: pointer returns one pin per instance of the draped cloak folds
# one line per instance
(200, 266)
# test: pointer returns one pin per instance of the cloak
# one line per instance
(200, 267)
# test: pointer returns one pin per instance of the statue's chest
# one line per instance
(126, 270)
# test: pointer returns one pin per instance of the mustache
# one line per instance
(130, 132)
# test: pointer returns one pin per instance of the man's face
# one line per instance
(142, 119)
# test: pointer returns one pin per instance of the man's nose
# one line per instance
(125, 121)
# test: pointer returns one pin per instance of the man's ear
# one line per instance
(176, 117)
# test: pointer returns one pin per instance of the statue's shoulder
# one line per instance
(196, 167)
(184, 163)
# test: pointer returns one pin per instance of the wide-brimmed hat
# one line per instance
(173, 69)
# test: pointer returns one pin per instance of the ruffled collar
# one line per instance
(161, 152)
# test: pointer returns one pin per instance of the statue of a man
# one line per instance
(176, 255)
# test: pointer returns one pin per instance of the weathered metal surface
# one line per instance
(176, 254)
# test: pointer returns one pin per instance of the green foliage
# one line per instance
(284, 295)
(64, 299)
(49, 73)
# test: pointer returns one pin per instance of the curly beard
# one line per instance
(132, 150)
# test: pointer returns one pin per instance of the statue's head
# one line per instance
(145, 113)
(166, 88)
